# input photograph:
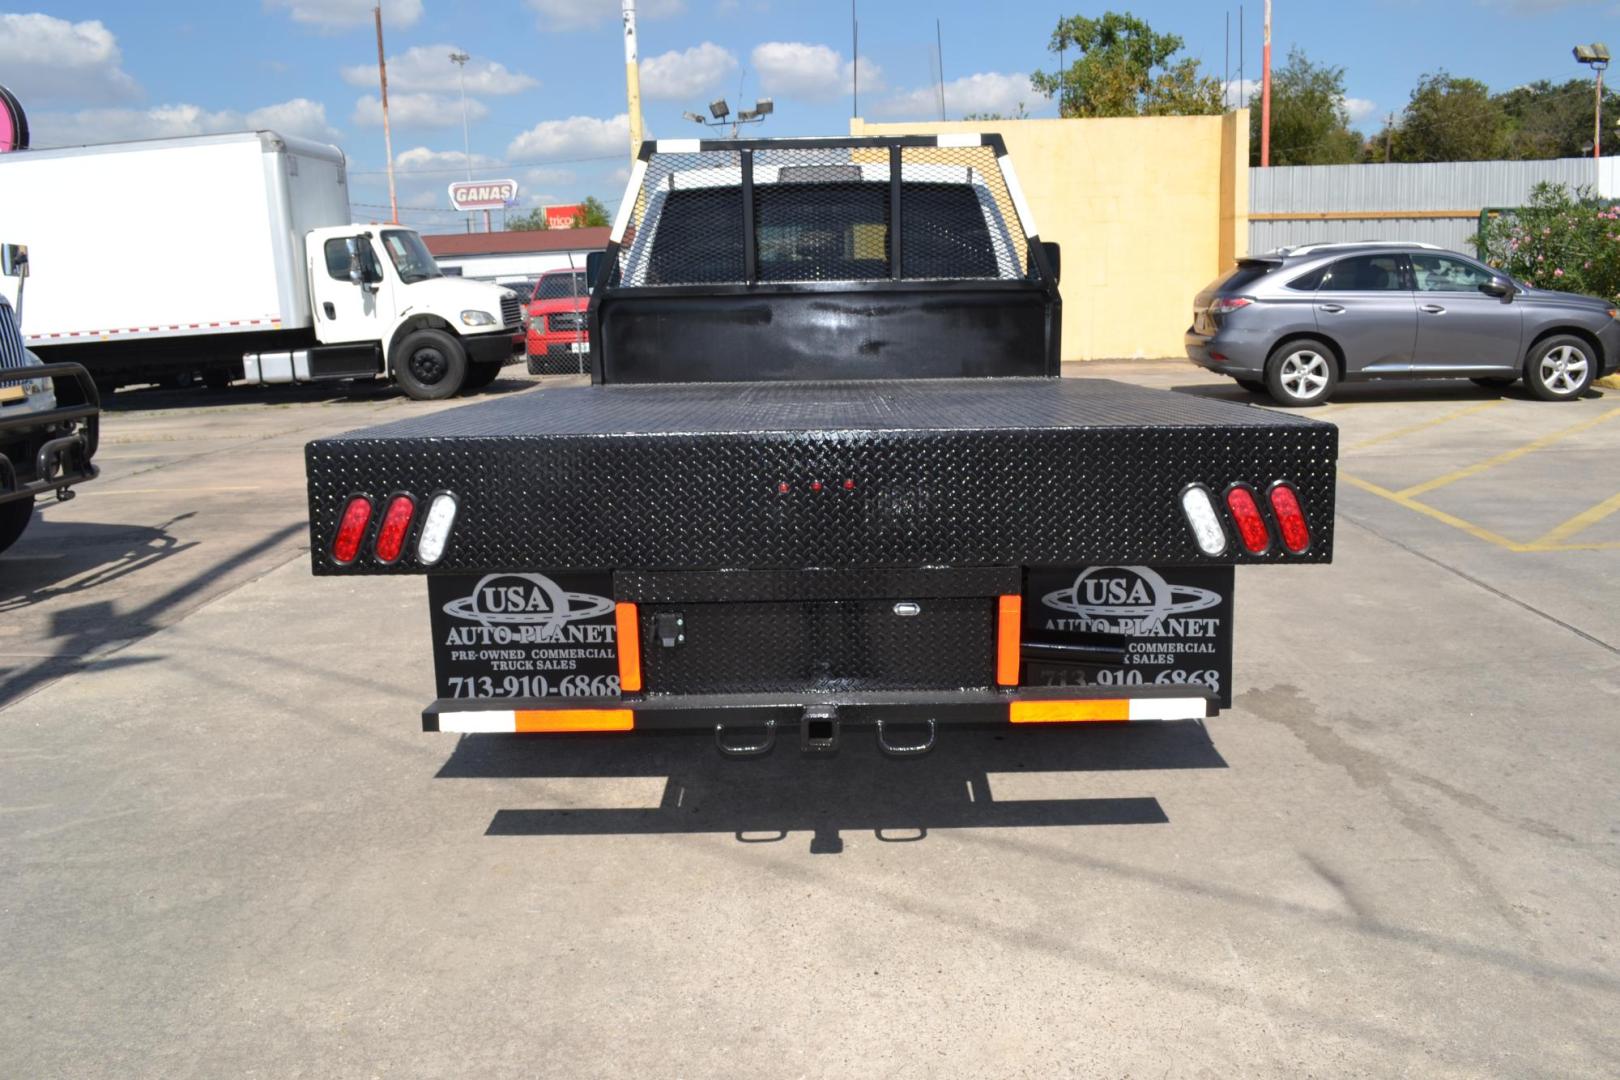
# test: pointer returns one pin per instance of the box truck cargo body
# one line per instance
(229, 256)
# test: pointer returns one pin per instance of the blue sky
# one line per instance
(546, 79)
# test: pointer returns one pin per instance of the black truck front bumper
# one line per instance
(42, 452)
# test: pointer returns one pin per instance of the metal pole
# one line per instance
(460, 60)
(1597, 121)
(632, 78)
(388, 138)
(1265, 93)
(854, 62)
(939, 53)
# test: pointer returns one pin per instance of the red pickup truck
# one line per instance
(558, 343)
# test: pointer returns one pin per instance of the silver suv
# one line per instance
(1298, 321)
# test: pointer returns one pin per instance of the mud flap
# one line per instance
(1128, 626)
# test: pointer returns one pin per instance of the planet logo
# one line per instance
(526, 600)
(1136, 594)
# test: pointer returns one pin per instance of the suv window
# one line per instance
(1365, 273)
(1441, 273)
(1242, 276)
(1309, 281)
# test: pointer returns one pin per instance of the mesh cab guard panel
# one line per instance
(968, 472)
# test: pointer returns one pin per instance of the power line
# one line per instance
(489, 165)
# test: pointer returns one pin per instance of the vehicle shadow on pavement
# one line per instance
(763, 800)
(1438, 390)
(156, 398)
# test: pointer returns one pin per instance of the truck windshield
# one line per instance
(410, 256)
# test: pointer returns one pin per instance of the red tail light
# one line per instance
(1251, 526)
(351, 529)
(395, 527)
(1296, 535)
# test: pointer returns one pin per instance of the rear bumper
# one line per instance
(736, 717)
(1229, 352)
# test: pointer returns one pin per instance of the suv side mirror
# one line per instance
(14, 260)
(1498, 287)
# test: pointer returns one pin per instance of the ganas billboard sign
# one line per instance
(483, 194)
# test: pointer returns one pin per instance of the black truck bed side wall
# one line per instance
(918, 330)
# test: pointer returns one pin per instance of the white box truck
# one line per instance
(233, 257)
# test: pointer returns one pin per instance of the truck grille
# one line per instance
(563, 321)
(511, 311)
(11, 342)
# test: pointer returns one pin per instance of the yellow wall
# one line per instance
(1148, 210)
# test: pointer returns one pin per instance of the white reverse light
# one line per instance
(1206, 525)
(441, 515)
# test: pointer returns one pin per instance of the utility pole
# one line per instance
(460, 60)
(1265, 93)
(939, 55)
(854, 63)
(388, 138)
(1597, 120)
(1389, 137)
(632, 78)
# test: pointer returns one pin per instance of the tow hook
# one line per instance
(907, 749)
(818, 730)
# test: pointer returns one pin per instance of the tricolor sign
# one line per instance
(483, 194)
(564, 217)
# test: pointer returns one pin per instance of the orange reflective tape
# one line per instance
(629, 637)
(1068, 712)
(1007, 639)
(574, 720)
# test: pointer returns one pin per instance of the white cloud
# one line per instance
(417, 110)
(1359, 109)
(675, 75)
(339, 14)
(583, 14)
(46, 60)
(1245, 90)
(421, 159)
(575, 137)
(299, 116)
(987, 92)
(799, 69)
(428, 67)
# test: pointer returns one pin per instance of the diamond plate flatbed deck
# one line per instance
(953, 472)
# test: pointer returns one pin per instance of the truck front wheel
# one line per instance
(430, 365)
(14, 518)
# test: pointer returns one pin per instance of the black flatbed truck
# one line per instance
(825, 480)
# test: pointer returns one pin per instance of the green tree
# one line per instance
(1309, 124)
(1451, 119)
(592, 214)
(1547, 120)
(533, 221)
(1124, 68)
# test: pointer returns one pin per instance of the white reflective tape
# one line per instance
(441, 515)
(679, 146)
(1171, 708)
(959, 139)
(479, 723)
(628, 206)
(1206, 524)
(1010, 178)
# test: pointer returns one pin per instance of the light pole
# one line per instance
(1596, 57)
(460, 60)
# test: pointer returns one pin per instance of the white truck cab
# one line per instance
(381, 305)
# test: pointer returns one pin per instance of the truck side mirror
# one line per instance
(593, 266)
(357, 271)
(14, 260)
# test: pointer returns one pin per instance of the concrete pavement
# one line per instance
(230, 851)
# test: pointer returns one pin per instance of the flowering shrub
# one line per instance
(1561, 240)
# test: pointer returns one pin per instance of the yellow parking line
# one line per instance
(1402, 499)
(1506, 456)
(1583, 520)
(1413, 429)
